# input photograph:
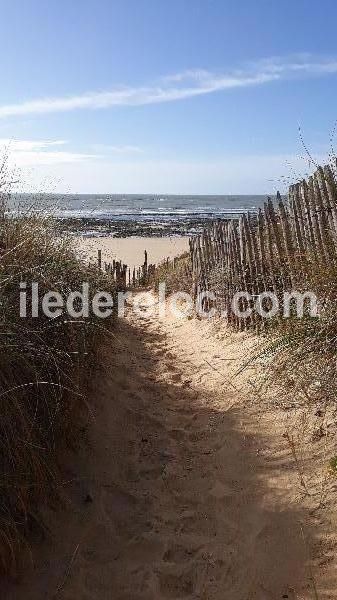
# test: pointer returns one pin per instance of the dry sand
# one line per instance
(131, 250)
(188, 488)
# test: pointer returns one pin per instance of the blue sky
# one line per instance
(179, 96)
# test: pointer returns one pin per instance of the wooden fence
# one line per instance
(275, 249)
(125, 278)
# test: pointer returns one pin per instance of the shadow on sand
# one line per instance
(169, 498)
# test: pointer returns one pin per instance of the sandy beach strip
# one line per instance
(131, 250)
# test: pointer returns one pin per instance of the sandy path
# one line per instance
(185, 489)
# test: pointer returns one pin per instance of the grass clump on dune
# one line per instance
(301, 350)
(175, 274)
(42, 383)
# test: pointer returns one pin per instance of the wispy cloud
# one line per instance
(24, 153)
(111, 149)
(180, 86)
(29, 145)
(128, 96)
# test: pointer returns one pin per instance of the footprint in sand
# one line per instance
(123, 512)
(103, 545)
(201, 522)
(175, 378)
(197, 436)
(219, 491)
(176, 585)
(152, 472)
(178, 553)
(178, 434)
(144, 549)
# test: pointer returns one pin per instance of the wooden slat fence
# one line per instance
(124, 277)
(273, 250)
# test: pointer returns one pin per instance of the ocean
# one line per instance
(158, 213)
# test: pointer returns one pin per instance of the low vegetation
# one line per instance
(303, 350)
(42, 376)
(176, 274)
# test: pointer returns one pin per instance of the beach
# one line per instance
(131, 250)
(188, 479)
(168, 286)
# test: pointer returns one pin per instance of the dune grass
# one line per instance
(303, 350)
(176, 274)
(43, 363)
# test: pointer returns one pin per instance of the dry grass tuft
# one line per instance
(302, 351)
(176, 274)
(42, 383)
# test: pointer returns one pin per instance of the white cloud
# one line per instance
(28, 145)
(179, 86)
(23, 153)
(21, 159)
